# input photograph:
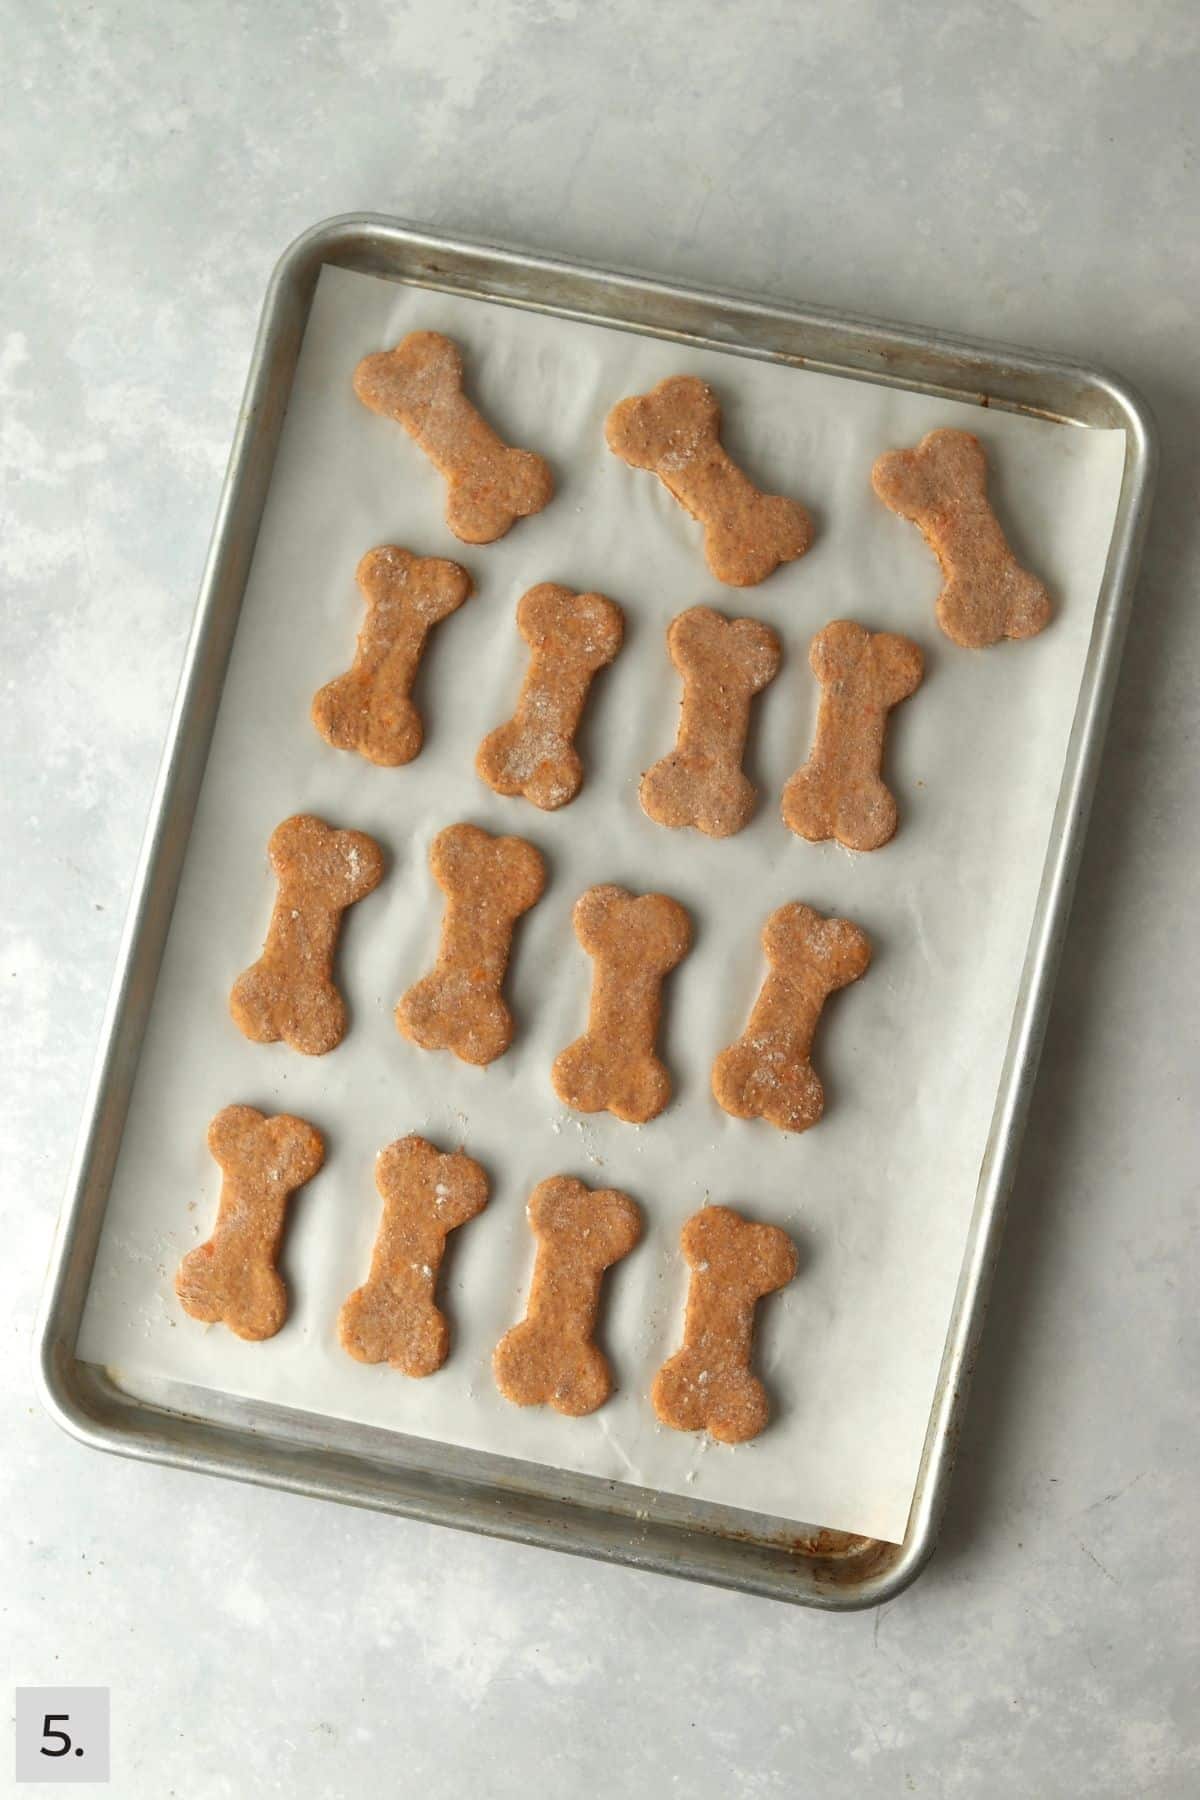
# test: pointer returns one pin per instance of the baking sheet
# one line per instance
(879, 1195)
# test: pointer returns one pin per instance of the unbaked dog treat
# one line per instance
(369, 708)
(289, 993)
(488, 883)
(838, 793)
(232, 1277)
(634, 941)
(550, 1358)
(724, 663)
(420, 384)
(675, 431)
(571, 637)
(942, 487)
(708, 1385)
(393, 1318)
(768, 1072)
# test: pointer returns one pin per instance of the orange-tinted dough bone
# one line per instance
(634, 941)
(942, 487)
(369, 708)
(767, 1073)
(232, 1277)
(420, 385)
(571, 637)
(393, 1317)
(550, 1358)
(289, 992)
(708, 1385)
(674, 431)
(724, 663)
(839, 792)
(488, 883)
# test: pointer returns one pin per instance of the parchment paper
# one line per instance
(879, 1194)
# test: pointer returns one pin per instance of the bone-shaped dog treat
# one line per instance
(392, 1318)
(675, 432)
(708, 1385)
(288, 993)
(490, 486)
(838, 793)
(233, 1276)
(724, 663)
(942, 487)
(571, 637)
(634, 940)
(767, 1073)
(368, 709)
(549, 1358)
(488, 883)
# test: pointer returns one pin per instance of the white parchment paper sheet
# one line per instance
(879, 1195)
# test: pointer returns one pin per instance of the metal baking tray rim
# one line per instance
(831, 1570)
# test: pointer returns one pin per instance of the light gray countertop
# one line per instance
(1026, 172)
